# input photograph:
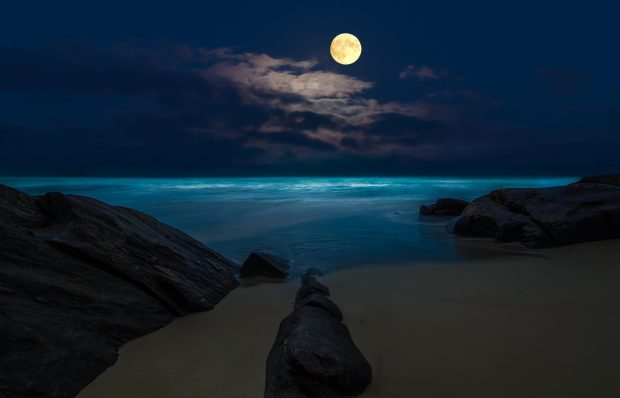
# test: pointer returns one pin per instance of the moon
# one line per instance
(345, 49)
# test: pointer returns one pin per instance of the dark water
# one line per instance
(330, 223)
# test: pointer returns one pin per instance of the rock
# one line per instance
(263, 264)
(311, 286)
(79, 278)
(310, 273)
(587, 210)
(314, 356)
(444, 207)
(320, 301)
(610, 179)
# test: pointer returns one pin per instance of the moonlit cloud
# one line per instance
(179, 106)
(296, 86)
(328, 112)
(271, 78)
(261, 73)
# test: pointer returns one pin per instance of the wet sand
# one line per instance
(544, 326)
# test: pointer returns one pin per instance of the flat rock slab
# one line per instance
(79, 278)
(313, 355)
(587, 210)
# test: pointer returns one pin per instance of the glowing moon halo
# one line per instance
(345, 49)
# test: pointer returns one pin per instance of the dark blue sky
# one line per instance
(199, 88)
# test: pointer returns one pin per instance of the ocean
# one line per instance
(330, 223)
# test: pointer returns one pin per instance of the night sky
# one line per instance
(249, 88)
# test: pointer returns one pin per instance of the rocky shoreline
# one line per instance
(584, 211)
(587, 210)
(79, 278)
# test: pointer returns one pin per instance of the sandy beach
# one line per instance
(528, 326)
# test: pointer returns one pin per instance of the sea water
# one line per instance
(329, 223)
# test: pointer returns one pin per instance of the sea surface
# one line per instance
(330, 223)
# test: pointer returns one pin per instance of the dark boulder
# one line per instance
(263, 264)
(587, 210)
(314, 356)
(79, 278)
(444, 207)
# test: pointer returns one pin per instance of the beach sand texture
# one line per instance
(544, 326)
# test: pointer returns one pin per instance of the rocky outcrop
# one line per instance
(265, 265)
(587, 210)
(444, 207)
(313, 355)
(79, 278)
(609, 179)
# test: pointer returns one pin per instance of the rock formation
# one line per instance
(587, 210)
(313, 355)
(79, 278)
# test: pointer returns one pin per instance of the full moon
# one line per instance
(345, 49)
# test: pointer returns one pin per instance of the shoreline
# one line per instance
(527, 326)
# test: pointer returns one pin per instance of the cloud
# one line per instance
(421, 72)
(181, 107)
(272, 78)
(295, 86)
(331, 113)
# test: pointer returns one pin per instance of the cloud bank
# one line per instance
(181, 109)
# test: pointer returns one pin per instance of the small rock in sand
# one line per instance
(265, 265)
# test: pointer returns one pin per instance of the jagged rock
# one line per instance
(588, 210)
(263, 264)
(79, 278)
(444, 207)
(313, 355)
